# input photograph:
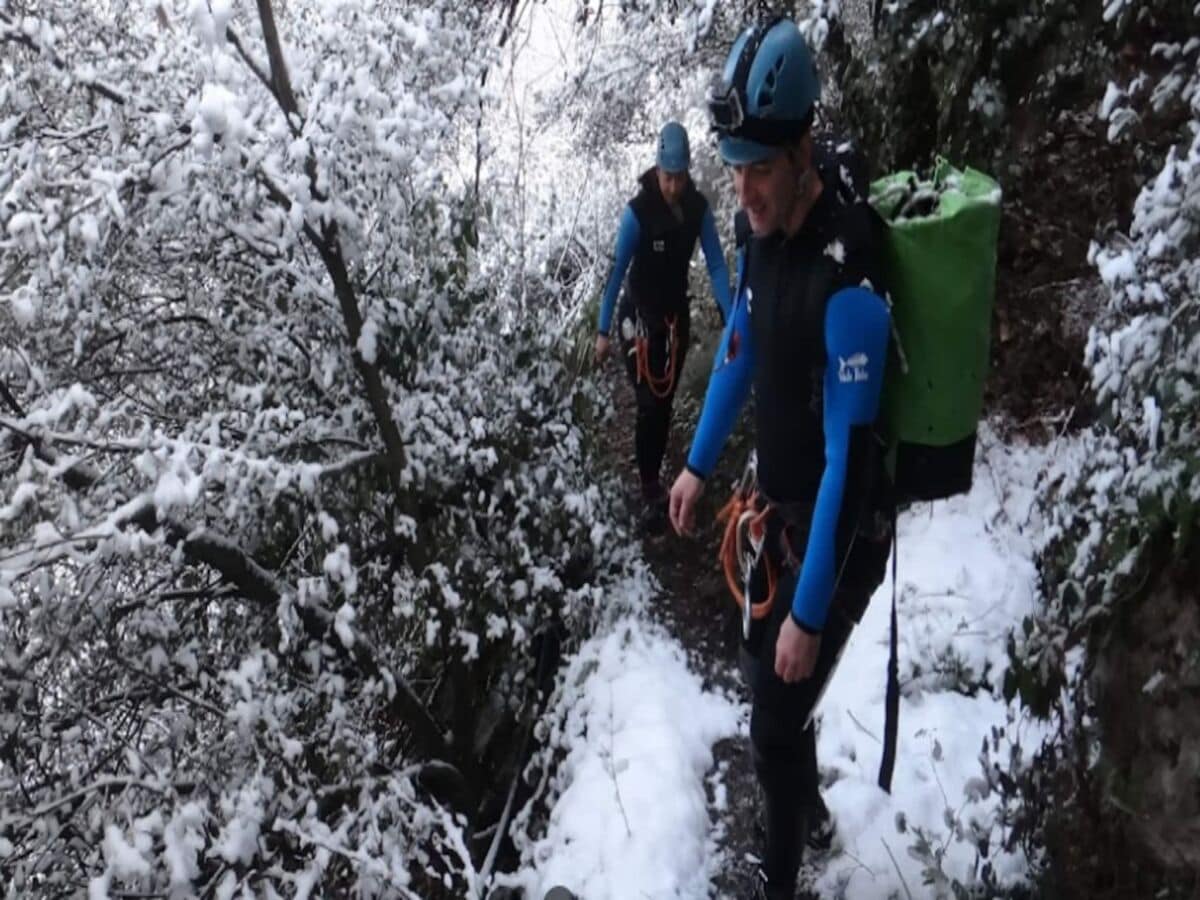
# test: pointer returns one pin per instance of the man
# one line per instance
(658, 233)
(809, 333)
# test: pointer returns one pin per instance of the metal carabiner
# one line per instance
(749, 479)
(748, 561)
(747, 578)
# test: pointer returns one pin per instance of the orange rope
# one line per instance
(659, 387)
(743, 507)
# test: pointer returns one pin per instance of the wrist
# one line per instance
(804, 626)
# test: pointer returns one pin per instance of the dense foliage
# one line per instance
(294, 506)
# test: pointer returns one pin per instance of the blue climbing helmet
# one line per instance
(674, 155)
(765, 95)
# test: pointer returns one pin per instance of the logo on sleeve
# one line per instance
(660, 246)
(854, 369)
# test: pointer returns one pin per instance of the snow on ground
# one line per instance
(631, 819)
(966, 577)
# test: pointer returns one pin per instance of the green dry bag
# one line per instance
(941, 257)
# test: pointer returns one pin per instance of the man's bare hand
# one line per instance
(684, 494)
(603, 348)
(795, 652)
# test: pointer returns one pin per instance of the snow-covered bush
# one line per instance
(960, 78)
(1114, 655)
(292, 498)
(1126, 509)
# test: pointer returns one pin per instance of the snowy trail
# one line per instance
(631, 819)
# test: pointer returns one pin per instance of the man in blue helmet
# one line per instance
(655, 242)
(809, 333)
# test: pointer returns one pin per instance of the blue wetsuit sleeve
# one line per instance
(728, 388)
(718, 272)
(628, 234)
(857, 325)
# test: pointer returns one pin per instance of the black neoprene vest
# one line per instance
(790, 281)
(658, 277)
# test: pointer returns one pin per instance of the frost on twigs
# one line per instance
(281, 476)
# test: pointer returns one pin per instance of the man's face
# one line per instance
(671, 185)
(768, 191)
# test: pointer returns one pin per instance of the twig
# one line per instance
(862, 727)
(862, 865)
(946, 800)
(11, 33)
(253, 64)
(163, 685)
(1052, 285)
(355, 856)
(611, 767)
(280, 80)
(105, 784)
(501, 827)
(903, 883)
(936, 778)
(987, 612)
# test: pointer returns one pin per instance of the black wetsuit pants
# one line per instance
(784, 749)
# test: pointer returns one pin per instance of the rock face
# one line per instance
(1146, 683)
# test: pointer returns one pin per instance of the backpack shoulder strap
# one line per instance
(741, 229)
